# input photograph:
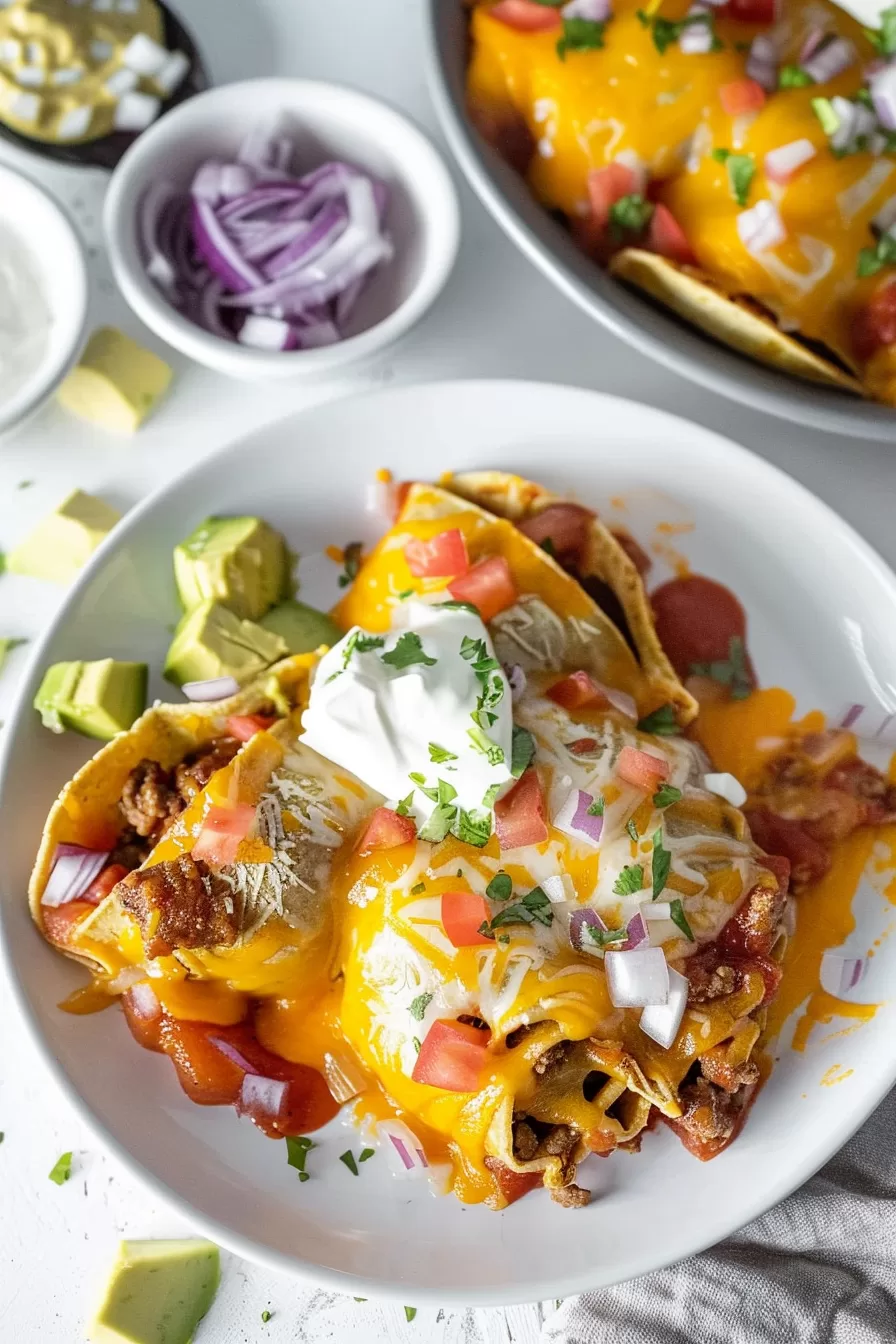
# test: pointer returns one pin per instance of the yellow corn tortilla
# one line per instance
(735, 320)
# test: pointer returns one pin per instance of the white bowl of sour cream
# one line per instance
(43, 297)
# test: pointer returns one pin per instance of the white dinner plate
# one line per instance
(822, 621)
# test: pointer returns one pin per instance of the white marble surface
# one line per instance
(497, 318)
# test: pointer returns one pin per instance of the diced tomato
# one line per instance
(666, 236)
(608, 185)
(696, 619)
(489, 586)
(741, 96)
(245, 726)
(101, 886)
(583, 746)
(875, 324)
(519, 815)
(751, 11)
(452, 1056)
(576, 690)
(635, 552)
(386, 829)
(462, 914)
(526, 16)
(512, 1185)
(144, 1015)
(206, 1075)
(60, 921)
(809, 859)
(563, 526)
(641, 768)
(770, 971)
(442, 557)
(222, 830)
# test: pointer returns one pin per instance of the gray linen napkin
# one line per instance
(818, 1269)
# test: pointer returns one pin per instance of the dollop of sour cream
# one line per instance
(428, 700)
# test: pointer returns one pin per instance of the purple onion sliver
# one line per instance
(346, 301)
(260, 198)
(206, 185)
(259, 1093)
(830, 60)
(74, 868)
(235, 1056)
(814, 39)
(316, 336)
(839, 974)
(402, 1151)
(327, 225)
(580, 920)
(854, 712)
(637, 933)
(219, 252)
(214, 688)
(422, 1156)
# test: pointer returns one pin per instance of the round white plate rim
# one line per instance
(342, 1281)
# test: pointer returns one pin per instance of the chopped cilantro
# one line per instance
(365, 1153)
(630, 214)
(358, 642)
(410, 1313)
(662, 722)
(2, 562)
(351, 563)
(660, 864)
(296, 1151)
(265, 1316)
(24, 485)
(454, 605)
(604, 936)
(485, 746)
(732, 672)
(580, 35)
(419, 1006)
(408, 652)
(677, 915)
(884, 37)
(348, 1158)
(632, 829)
(500, 888)
(418, 888)
(874, 259)
(533, 908)
(667, 31)
(473, 827)
(597, 807)
(405, 804)
(522, 751)
(630, 880)
(666, 795)
(793, 77)
(62, 1170)
(403, 597)
(741, 171)
(473, 649)
(439, 824)
(721, 155)
(7, 646)
(490, 795)
(439, 755)
(417, 1044)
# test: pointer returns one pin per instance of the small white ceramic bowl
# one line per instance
(43, 230)
(325, 121)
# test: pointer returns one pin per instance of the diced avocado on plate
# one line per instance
(64, 541)
(116, 383)
(211, 641)
(97, 699)
(303, 628)
(242, 563)
(158, 1292)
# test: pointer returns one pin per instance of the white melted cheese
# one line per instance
(386, 722)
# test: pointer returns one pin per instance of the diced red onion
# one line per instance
(258, 1094)
(696, 40)
(631, 159)
(876, 724)
(637, 979)
(74, 868)
(765, 75)
(813, 41)
(883, 222)
(840, 974)
(235, 1056)
(761, 227)
(516, 680)
(596, 11)
(379, 498)
(403, 1150)
(661, 1021)
(574, 819)
(578, 922)
(847, 115)
(782, 163)
(726, 786)
(883, 95)
(636, 932)
(344, 1076)
(558, 888)
(267, 333)
(143, 1000)
(620, 700)
(830, 60)
(215, 688)
(126, 979)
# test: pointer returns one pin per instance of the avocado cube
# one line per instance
(99, 699)
(158, 1292)
(116, 383)
(211, 641)
(240, 562)
(64, 541)
(303, 628)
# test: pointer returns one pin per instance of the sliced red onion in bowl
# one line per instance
(579, 921)
(74, 868)
(219, 252)
(840, 974)
(574, 819)
(261, 1095)
(215, 688)
(638, 978)
(661, 1021)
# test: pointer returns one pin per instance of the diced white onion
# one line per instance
(25, 106)
(841, 974)
(596, 11)
(10, 49)
(657, 910)
(696, 40)
(661, 1021)
(344, 1075)
(885, 218)
(631, 159)
(637, 979)
(172, 74)
(144, 55)
(214, 688)
(379, 498)
(75, 123)
(621, 700)
(761, 227)
(883, 95)
(68, 74)
(101, 50)
(121, 81)
(830, 60)
(854, 199)
(261, 1094)
(32, 76)
(136, 111)
(782, 163)
(727, 787)
(558, 888)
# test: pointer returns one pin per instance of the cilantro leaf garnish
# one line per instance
(630, 214)
(580, 35)
(2, 562)
(405, 804)
(533, 908)
(455, 605)
(500, 888)
(597, 807)
(667, 31)
(794, 77)
(677, 915)
(348, 1158)
(662, 722)
(472, 649)
(418, 888)
(483, 744)
(884, 37)
(62, 1170)
(357, 642)
(265, 1316)
(405, 594)
(439, 755)
(604, 936)
(439, 824)
(660, 864)
(297, 1149)
(632, 829)
(874, 259)
(418, 1006)
(417, 1044)
(741, 171)
(522, 751)
(410, 1313)
(473, 826)
(732, 672)
(408, 652)
(721, 155)
(420, 781)
(666, 795)
(366, 1153)
(490, 795)
(351, 563)
(630, 880)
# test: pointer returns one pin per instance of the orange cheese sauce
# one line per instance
(585, 111)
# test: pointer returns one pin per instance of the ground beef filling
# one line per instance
(153, 797)
(180, 903)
